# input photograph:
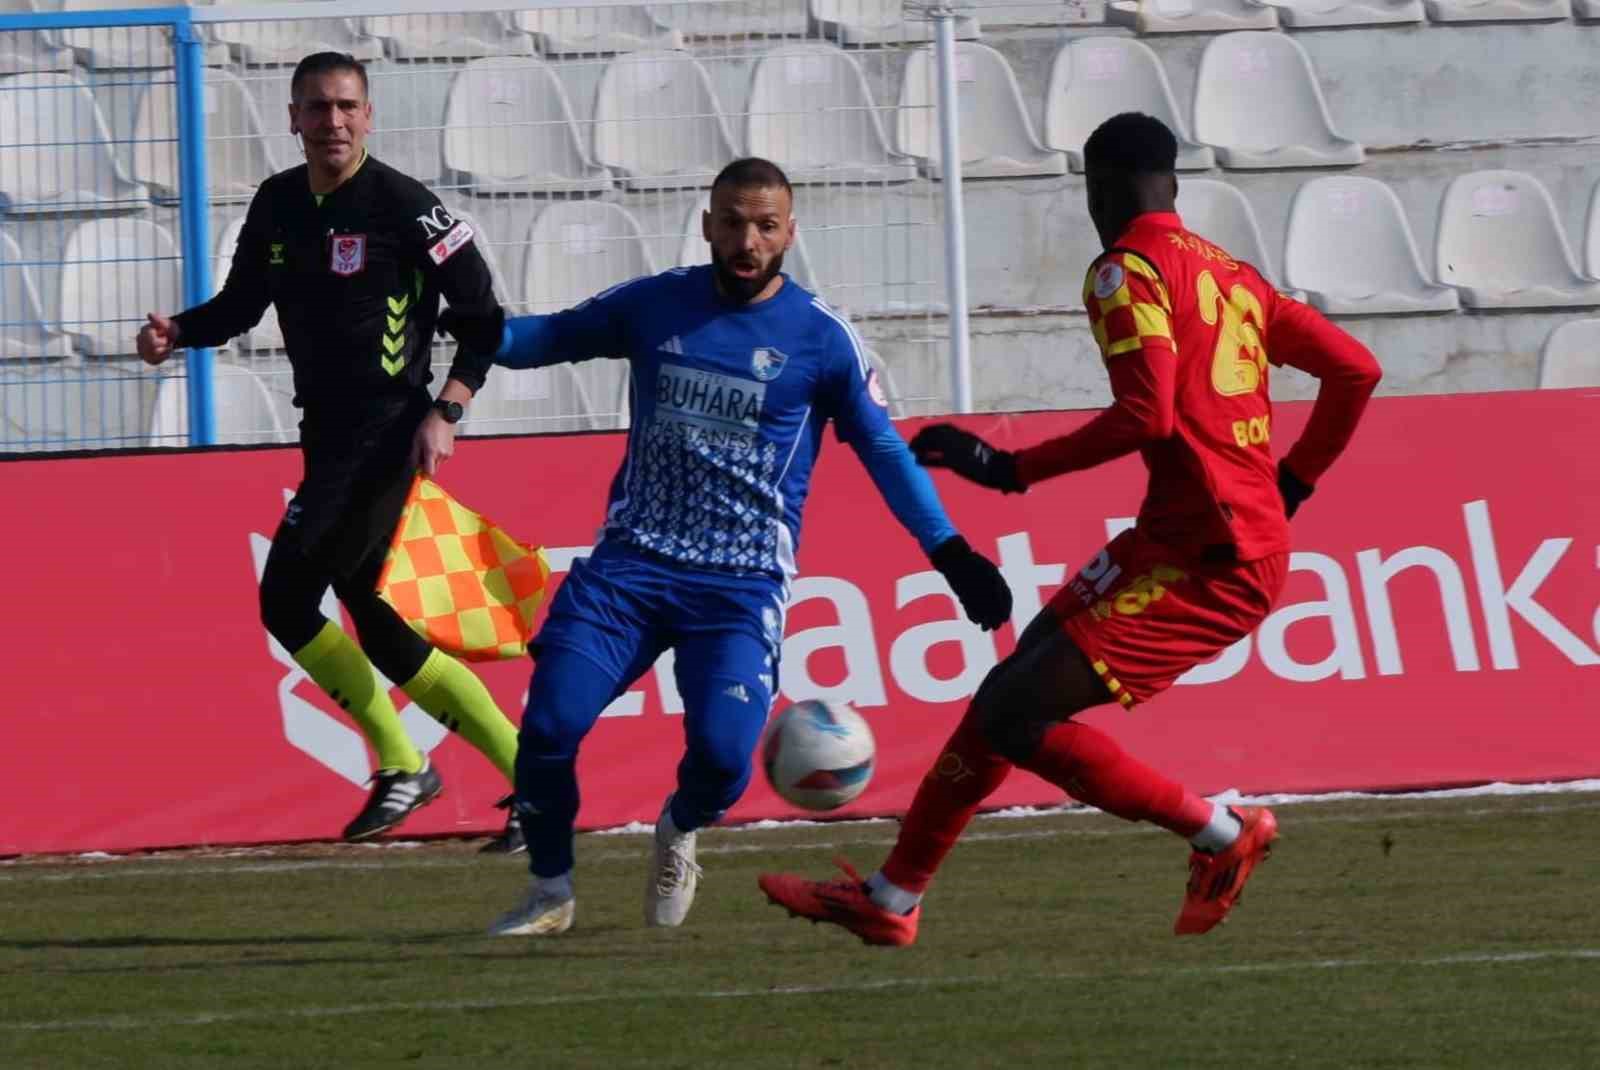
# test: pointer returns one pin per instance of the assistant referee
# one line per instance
(355, 257)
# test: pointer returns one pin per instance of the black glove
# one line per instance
(975, 580)
(968, 456)
(1294, 491)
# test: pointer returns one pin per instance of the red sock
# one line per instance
(967, 772)
(1089, 765)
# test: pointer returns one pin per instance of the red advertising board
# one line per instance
(1440, 626)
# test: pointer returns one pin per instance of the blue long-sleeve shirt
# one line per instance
(729, 404)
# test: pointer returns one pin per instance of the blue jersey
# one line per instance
(729, 406)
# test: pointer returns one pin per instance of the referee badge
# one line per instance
(349, 254)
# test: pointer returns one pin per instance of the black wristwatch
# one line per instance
(452, 411)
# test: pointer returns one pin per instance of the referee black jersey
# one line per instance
(356, 276)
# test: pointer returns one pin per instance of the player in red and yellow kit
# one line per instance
(1187, 332)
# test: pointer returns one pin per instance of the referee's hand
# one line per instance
(157, 339)
(434, 443)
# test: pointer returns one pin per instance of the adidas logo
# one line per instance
(673, 346)
(737, 691)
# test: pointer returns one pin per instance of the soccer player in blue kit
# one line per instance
(735, 371)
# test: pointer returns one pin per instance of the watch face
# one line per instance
(450, 410)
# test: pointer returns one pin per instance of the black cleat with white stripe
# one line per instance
(510, 840)
(394, 796)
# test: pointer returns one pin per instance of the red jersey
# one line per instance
(1187, 332)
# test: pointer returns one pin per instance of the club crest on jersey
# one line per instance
(767, 364)
(875, 390)
(1107, 279)
(349, 254)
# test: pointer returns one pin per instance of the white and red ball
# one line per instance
(818, 754)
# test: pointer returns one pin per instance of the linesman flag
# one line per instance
(460, 581)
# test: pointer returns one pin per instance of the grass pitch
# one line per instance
(1443, 933)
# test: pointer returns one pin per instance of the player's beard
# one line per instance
(740, 289)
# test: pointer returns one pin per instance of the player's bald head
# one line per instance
(1130, 167)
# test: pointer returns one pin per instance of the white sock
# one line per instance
(1219, 833)
(891, 897)
(557, 887)
(667, 829)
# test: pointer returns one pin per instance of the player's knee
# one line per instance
(565, 698)
(1013, 731)
(290, 613)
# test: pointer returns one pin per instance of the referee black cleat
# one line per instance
(394, 796)
(509, 841)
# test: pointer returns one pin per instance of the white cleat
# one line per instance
(539, 914)
(673, 875)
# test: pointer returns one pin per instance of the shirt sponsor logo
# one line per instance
(708, 407)
(275, 254)
(349, 254)
(767, 363)
(1107, 279)
(436, 221)
(446, 247)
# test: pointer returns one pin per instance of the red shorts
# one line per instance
(1145, 615)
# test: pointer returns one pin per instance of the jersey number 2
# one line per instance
(1240, 362)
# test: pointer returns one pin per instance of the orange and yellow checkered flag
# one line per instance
(462, 583)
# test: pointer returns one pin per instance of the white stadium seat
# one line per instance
(734, 18)
(1094, 78)
(1498, 10)
(22, 51)
(1571, 355)
(595, 30)
(24, 334)
(287, 41)
(578, 248)
(113, 272)
(1500, 244)
(460, 36)
(264, 335)
(115, 47)
(509, 129)
(1258, 104)
(238, 152)
(695, 250)
(878, 22)
(1350, 249)
(1190, 16)
(997, 137)
(1591, 236)
(811, 112)
(1218, 212)
(658, 123)
(58, 156)
(1316, 14)
(245, 410)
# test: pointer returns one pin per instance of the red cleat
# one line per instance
(1216, 880)
(841, 902)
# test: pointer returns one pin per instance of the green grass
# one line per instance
(1455, 933)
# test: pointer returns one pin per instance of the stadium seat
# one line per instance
(734, 18)
(287, 41)
(246, 412)
(997, 137)
(1190, 16)
(1350, 249)
(1258, 104)
(1500, 244)
(22, 51)
(1094, 78)
(578, 248)
(1571, 355)
(238, 152)
(116, 47)
(449, 37)
(113, 272)
(1006, 13)
(1591, 236)
(1498, 10)
(55, 151)
(811, 112)
(878, 22)
(657, 122)
(595, 30)
(1218, 212)
(24, 334)
(695, 250)
(264, 335)
(508, 128)
(1315, 14)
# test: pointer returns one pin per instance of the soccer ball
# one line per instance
(818, 754)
